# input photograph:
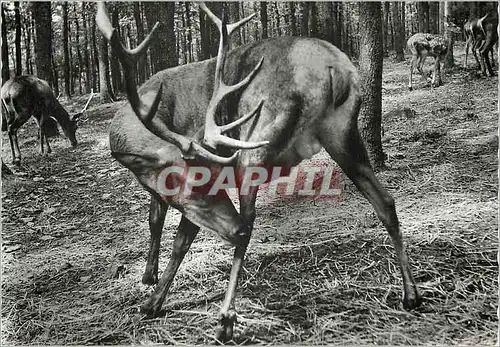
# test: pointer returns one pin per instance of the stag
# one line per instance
(475, 32)
(286, 98)
(25, 96)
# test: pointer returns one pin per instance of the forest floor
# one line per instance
(75, 237)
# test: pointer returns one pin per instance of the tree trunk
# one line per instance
(67, 76)
(337, 25)
(78, 49)
(86, 58)
(386, 29)
(448, 61)
(293, 24)
(304, 19)
(5, 49)
(116, 76)
(398, 31)
(55, 77)
(234, 11)
(104, 80)
(441, 17)
(263, 19)
(277, 18)
(141, 64)
(403, 21)
(434, 17)
(27, 42)
(168, 57)
(370, 68)
(17, 42)
(42, 15)
(423, 16)
(313, 31)
(95, 57)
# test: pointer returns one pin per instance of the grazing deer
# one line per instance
(475, 35)
(422, 45)
(26, 96)
(288, 97)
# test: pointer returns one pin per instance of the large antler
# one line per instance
(213, 133)
(128, 58)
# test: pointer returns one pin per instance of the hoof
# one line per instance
(411, 302)
(224, 331)
(410, 88)
(149, 278)
(151, 309)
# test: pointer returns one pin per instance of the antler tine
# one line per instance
(128, 58)
(88, 101)
(213, 133)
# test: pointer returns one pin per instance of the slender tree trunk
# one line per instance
(141, 65)
(116, 77)
(277, 17)
(313, 27)
(169, 54)
(304, 18)
(78, 69)
(42, 15)
(95, 66)
(398, 31)
(86, 48)
(370, 67)
(55, 76)
(448, 61)
(67, 76)
(27, 43)
(234, 8)
(441, 17)
(403, 21)
(104, 80)
(386, 29)
(263, 19)
(19, 63)
(293, 24)
(5, 49)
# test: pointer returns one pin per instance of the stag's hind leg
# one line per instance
(340, 137)
(186, 232)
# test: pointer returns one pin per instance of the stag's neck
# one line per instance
(57, 111)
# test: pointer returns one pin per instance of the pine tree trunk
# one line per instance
(304, 18)
(398, 31)
(293, 24)
(86, 48)
(263, 19)
(403, 21)
(386, 29)
(78, 69)
(234, 9)
(448, 61)
(42, 14)
(5, 49)
(19, 63)
(95, 56)
(67, 76)
(370, 68)
(141, 64)
(104, 79)
(27, 43)
(116, 76)
(313, 27)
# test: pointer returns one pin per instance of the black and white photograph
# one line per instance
(249, 173)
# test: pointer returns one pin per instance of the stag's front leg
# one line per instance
(157, 213)
(42, 135)
(49, 150)
(14, 145)
(186, 232)
(227, 314)
(413, 65)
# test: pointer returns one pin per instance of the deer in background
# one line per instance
(25, 96)
(287, 97)
(422, 45)
(476, 32)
